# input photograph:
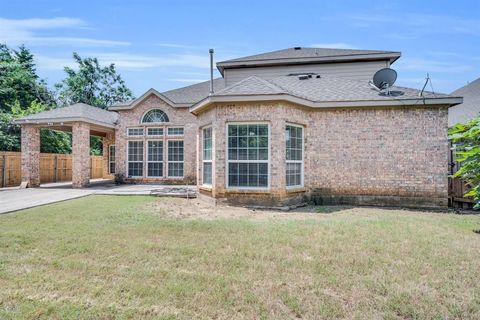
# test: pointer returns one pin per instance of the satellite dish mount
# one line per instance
(383, 79)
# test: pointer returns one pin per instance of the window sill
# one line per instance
(205, 188)
(296, 189)
(247, 191)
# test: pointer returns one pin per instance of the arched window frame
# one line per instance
(164, 115)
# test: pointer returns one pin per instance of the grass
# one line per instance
(114, 257)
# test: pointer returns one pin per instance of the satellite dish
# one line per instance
(384, 78)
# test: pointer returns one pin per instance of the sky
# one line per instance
(164, 44)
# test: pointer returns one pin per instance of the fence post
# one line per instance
(56, 168)
(4, 172)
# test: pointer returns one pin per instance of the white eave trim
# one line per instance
(65, 120)
(206, 103)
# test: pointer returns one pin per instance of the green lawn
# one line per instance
(123, 257)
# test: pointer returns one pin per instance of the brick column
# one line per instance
(31, 155)
(81, 154)
(278, 180)
(107, 142)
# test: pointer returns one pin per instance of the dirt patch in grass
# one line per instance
(197, 209)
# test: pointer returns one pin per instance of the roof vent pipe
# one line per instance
(211, 71)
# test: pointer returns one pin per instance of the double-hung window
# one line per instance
(248, 155)
(111, 159)
(135, 158)
(155, 158)
(207, 156)
(294, 155)
(175, 158)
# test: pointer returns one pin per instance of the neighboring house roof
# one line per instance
(300, 55)
(76, 112)
(324, 91)
(181, 97)
(470, 108)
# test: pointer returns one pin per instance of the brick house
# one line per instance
(279, 128)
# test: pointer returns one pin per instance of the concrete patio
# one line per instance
(14, 199)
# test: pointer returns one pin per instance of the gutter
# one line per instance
(209, 101)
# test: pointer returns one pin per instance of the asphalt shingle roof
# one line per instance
(194, 93)
(323, 89)
(292, 53)
(470, 108)
(76, 111)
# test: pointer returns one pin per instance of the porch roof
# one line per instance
(77, 112)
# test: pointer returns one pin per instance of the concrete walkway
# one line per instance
(13, 199)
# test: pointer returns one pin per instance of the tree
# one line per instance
(22, 93)
(19, 81)
(51, 141)
(92, 84)
(466, 137)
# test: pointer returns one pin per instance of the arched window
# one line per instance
(155, 116)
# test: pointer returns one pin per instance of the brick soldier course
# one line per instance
(360, 145)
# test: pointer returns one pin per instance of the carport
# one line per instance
(82, 121)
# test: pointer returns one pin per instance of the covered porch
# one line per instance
(82, 121)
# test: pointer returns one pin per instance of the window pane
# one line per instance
(207, 144)
(175, 150)
(111, 159)
(135, 132)
(155, 115)
(248, 155)
(207, 173)
(155, 132)
(155, 151)
(294, 155)
(135, 158)
(175, 131)
(175, 169)
(155, 169)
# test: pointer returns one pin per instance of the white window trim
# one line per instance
(143, 162)
(110, 158)
(154, 135)
(147, 162)
(267, 188)
(302, 162)
(175, 135)
(168, 161)
(137, 136)
(203, 159)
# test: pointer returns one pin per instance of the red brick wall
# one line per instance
(178, 117)
(372, 151)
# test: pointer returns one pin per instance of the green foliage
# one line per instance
(19, 82)
(22, 93)
(50, 141)
(92, 84)
(466, 137)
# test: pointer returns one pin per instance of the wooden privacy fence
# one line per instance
(53, 168)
